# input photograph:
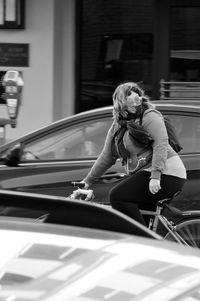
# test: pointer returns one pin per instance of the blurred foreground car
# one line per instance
(39, 208)
(47, 160)
(52, 262)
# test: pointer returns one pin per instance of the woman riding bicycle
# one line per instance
(155, 171)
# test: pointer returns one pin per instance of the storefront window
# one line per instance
(116, 46)
(185, 44)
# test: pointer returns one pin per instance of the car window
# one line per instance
(188, 131)
(86, 139)
(83, 140)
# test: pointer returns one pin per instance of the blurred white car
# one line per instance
(57, 262)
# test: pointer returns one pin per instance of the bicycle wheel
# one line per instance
(188, 231)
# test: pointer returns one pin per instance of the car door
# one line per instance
(187, 125)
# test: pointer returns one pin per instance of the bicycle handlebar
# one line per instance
(78, 184)
(83, 194)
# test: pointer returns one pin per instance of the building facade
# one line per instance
(79, 50)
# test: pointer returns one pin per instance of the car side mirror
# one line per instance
(13, 155)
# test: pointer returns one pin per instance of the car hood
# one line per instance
(79, 267)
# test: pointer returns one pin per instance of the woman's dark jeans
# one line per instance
(133, 193)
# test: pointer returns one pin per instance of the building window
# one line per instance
(185, 44)
(116, 45)
(12, 14)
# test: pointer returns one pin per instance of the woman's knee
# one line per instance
(114, 197)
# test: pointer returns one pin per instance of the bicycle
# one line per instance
(182, 227)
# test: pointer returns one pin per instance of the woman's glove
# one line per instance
(83, 194)
(86, 184)
(154, 186)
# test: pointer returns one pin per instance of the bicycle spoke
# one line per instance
(188, 232)
(188, 235)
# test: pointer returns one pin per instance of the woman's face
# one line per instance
(132, 101)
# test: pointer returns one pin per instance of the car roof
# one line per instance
(51, 262)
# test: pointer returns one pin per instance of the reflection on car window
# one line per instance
(79, 141)
(188, 131)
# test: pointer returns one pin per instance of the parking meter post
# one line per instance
(3, 123)
(2, 134)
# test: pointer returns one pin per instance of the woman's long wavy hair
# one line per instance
(121, 107)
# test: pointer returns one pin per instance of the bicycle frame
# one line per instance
(157, 216)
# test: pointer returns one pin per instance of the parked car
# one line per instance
(47, 262)
(50, 158)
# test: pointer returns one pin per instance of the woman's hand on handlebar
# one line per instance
(81, 184)
(83, 194)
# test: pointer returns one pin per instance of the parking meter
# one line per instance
(13, 85)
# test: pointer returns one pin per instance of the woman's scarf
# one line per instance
(137, 133)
